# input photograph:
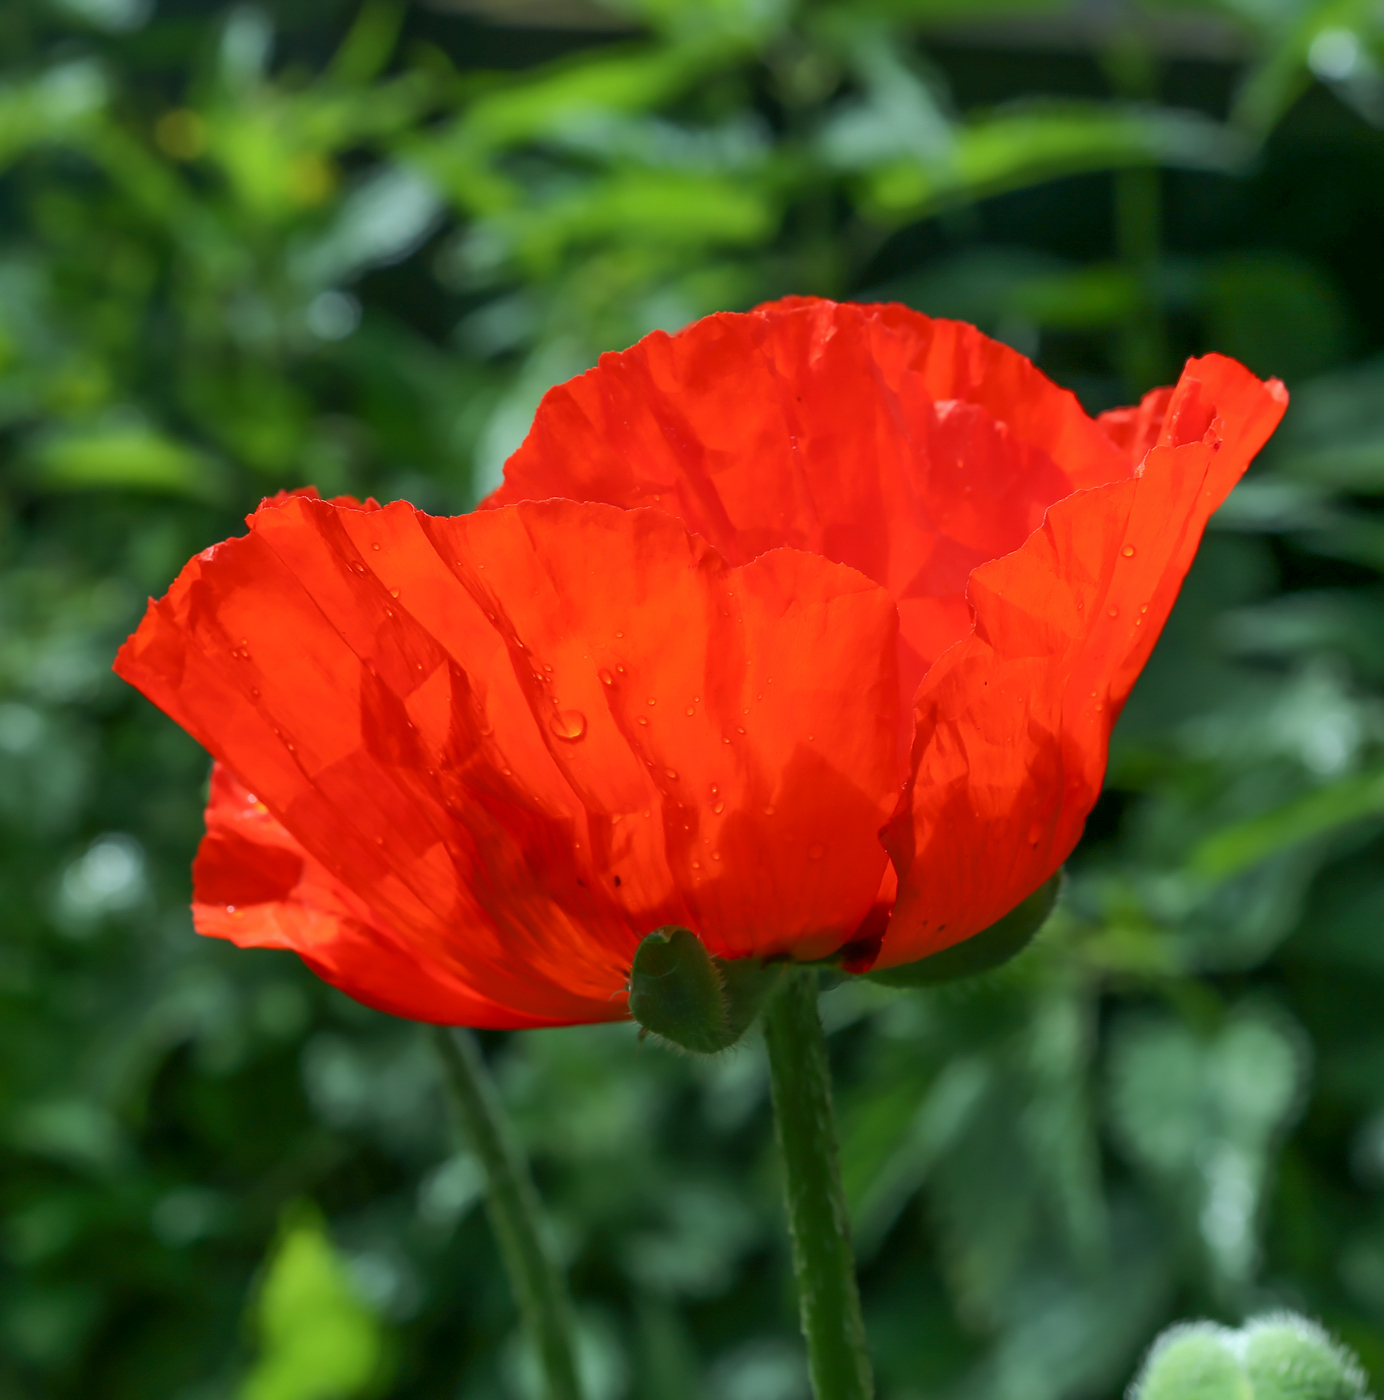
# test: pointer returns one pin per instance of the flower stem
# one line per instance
(828, 1299)
(515, 1212)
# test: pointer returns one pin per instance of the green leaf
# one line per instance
(124, 455)
(1027, 145)
(317, 1340)
(982, 952)
(1236, 848)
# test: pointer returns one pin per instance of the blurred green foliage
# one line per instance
(248, 248)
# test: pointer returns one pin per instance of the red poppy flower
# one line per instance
(804, 629)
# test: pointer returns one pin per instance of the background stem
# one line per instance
(828, 1298)
(515, 1212)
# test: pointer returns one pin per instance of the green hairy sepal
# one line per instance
(982, 952)
(680, 993)
(1278, 1357)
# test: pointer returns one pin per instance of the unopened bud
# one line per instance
(1280, 1357)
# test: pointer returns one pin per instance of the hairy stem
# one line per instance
(515, 1212)
(829, 1301)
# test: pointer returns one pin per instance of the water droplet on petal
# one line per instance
(230, 908)
(696, 865)
(619, 634)
(714, 789)
(569, 725)
(739, 729)
(690, 710)
(672, 773)
(816, 851)
(652, 701)
(716, 855)
(768, 811)
(1128, 551)
(642, 720)
(1114, 612)
(606, 677)
(548, 669)
(393, 592)
(719, 808)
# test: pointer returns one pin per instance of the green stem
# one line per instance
(515, 1213)
(828, 1299)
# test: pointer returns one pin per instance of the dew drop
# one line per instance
(1113, 612)
(672, 773)
(816, 851)
(548, 669)
(716, 855)
(393, 592)
(506, 772)
(374, 546)
(606, 677)
(768, 811)
(696, 865)
(569, 725)
(620, 670)
(739, 729)
(690, 710)
(643, 719)
(289, 747)
(652, 701)
(255, 691)
(714, 789)
(230, 908)
(719, 808)
(725, 741)
(1145, 608)
(619, 634)
(1128, 551)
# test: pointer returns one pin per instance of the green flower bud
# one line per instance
(1194, 1361)
(1290, 1358)
(680, 993)
(982, 952)
(1279, 1357)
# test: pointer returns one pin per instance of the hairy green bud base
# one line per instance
(680, 993)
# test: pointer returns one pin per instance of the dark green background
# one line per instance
(250, 248)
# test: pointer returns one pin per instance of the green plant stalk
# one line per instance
(515, 1212)
(823, 1261)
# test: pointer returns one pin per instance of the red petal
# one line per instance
(256, 886)
(1013, 722)
(908, 448)
(420, 703)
